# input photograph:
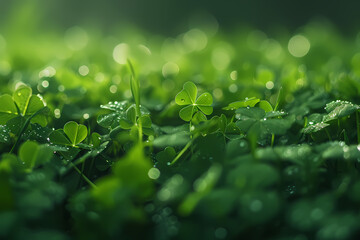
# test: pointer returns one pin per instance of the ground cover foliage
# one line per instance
(200, 136)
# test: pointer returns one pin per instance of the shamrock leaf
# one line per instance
(132, 122)
(338, 109)
(248, 102)
(118, 111)
(265, 105)
(22, 103)
(188, 97)
(32, 154)
(72, 134)
(253, 120)
(311, 128)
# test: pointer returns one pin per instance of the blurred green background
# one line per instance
(171, 17)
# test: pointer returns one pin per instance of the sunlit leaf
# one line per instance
(75, 132)
(187, 95)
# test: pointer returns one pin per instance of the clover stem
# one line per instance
(272, 139)
(357, 127)
(83, 176)
(328, 134)
(278, 99)
(181, 152)
(82, 173)
(190, 125)
(140, 127)
(24, 127)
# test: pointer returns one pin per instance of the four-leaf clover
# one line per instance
(188, 97)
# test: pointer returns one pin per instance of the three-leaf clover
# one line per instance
(72, 134)
(188, 97)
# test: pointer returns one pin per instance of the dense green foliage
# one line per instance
(201, 136)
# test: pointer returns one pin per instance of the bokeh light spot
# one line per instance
(84, 70)
(270, 85)
(76, 38)
(170, 69)
(195, 40)
(121, 53)
(298, 46)
(220, 59)
(234, 75)
(154, 173)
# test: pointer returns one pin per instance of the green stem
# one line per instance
(82, 173)
(272, 139)
(181, 152)
(328, 134)
(24, 127)
(357, 126)
(138, 112)
(83, 176)
(278, 99)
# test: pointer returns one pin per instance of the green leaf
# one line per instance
(4, 134)
(338, 109)
(58, 137)
(21, 97)
(176, 139)
(187, 112)
(250, 113)
(145, 121)
(311, 128)
(125, 124)
(95, 139)
(252, 120)
(222, 122)
(135, 90)
(27, 103)
(277, 126)
(166, 156)
(251, 102)
(204, 99)
(273, 114)
(75, 132)
(116, 106)
(131, 114)
(265, 105)
(204, 102)
(198, 118)
(133, 171)
(232, 131)
(15, 124)
(338, 103)
(187, 95)
(32, 154)
(109, 120)
(7, 108)
(28, 153)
